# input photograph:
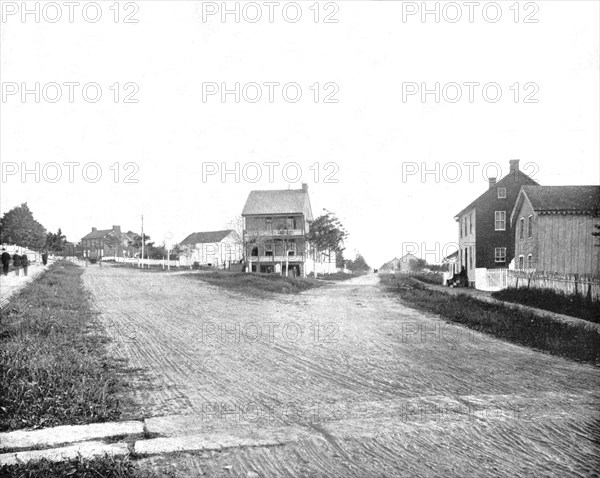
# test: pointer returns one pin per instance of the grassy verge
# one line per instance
(575, 306)
(256, 284)
(575, 342)
(106, 466)
(53, 366)
(436, 279)
(338, 276)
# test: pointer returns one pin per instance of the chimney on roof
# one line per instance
(514, 165)
(117, 229)
(492, 182)
(305, 187)
(94, 229)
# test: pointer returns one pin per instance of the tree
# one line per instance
(326, 234)
(55, 242)
(136, 243)
(417, 265)
(359, 264)
(18, 226)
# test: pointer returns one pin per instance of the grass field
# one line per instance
(503, 321)
(53, 366)
(575, 306)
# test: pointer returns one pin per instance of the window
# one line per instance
(291, 223)
(521, 228)
(530, 226)
(460, 228)
(501, 193)
(500, 220)
(521, 263)
(254, 252)
(269, 221)
(530, 261)
(471, 259)
(471, 225)
(500, 254)
(268, 249)
(291, 248)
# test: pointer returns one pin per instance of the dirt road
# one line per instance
(364, 385)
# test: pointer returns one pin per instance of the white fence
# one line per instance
(570, 284)
(491, 279)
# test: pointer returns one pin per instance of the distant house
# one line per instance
(402, 265)
(451, 261)
(213, 248)
(553, 228)
(106, 243)
(485, 236)
(276, 223)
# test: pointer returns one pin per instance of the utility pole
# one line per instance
(142, 258)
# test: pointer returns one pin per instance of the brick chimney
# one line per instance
(514, 165)
(305, 187)
(492, 182)
(117, 229)
(94, 229)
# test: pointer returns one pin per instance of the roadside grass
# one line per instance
(576, 342)
(436, 279)
(258, 285)
(106, 466)
(338, 276)
(152, 268)
(575, 306)
(54, 369)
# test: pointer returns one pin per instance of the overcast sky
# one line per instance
(370, 63)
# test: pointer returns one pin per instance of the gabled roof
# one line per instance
(101, 234)
(395, 261)
(278, 201)
(206, 237)
(514, 176)
(451, 257)
(560, 199)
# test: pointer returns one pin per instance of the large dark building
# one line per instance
(485, 236)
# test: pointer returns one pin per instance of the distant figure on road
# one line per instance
(17, 263)
(25, 263)
(5, 261)
(45, 258)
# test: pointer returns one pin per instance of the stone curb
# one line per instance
(85, 450)
(68, 434)
(156, 446)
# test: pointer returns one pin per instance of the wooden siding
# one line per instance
(565, 244)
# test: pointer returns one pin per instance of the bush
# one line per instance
(432, 278)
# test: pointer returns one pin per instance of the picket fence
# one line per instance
(569, 284)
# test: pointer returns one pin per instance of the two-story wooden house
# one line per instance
(485, 236)
(276, 224)
(553, 228)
